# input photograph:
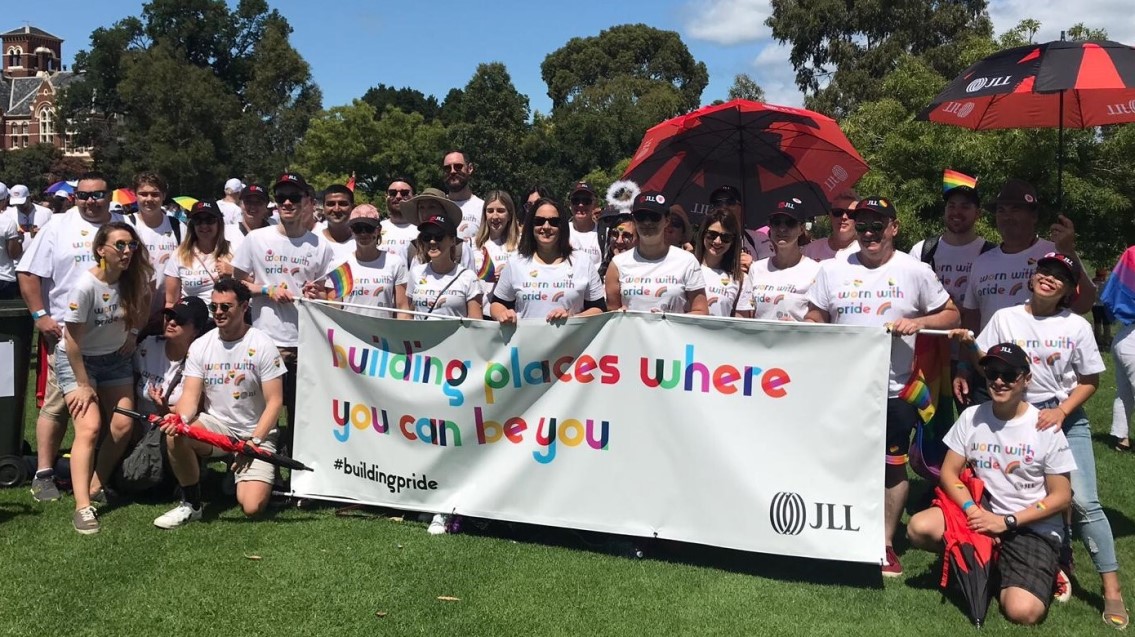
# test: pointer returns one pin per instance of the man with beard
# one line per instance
(756, 244)
(584, 238)
(879, 286)
(29, 217)
(457, 169)
(842, 239)
(398, 233)
(951, 255)
(58, 256)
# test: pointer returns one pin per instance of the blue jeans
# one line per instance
(1091, 522)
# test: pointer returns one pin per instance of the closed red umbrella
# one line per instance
(770, 153)
(969, 555)
(1056, 84)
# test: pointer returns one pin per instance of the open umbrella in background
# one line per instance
(770, 153)
(61, 186)
(1057, 84)
(968, 554)
(186, 203)
(124, 196)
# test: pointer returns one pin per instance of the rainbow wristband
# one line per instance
(967, 504)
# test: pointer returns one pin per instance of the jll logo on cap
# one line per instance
(658, 199)
(438, 219)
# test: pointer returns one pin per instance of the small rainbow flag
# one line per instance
(342, 281)
(930, 378)
(488, 270)
(953, 179)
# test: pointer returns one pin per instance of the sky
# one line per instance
(435, 45)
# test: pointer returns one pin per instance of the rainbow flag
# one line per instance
(930, 379)
(1118, 294)
(953, 179)
(342, 281)
(488, 269)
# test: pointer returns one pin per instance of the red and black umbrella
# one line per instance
(770, 153)
(230, 444)
(969, 554)
(1056, 84)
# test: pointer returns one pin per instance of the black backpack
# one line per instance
(930, 247)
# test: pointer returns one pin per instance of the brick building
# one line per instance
(32, 77)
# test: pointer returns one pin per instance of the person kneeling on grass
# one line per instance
(234, 373)
(1026, 475)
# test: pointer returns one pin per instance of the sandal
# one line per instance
(1115, 614)
(1121, 444)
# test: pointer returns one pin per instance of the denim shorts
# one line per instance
(105, 370)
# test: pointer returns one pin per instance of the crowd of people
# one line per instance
(197, 321)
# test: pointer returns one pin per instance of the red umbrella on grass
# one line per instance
(969, 554)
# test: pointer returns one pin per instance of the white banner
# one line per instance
(750, 435)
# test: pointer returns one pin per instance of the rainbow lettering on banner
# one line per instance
(488, 269)
(342, 281)
(953, 179)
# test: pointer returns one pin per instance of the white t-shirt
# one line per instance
(658, 285)
(425, 285)
(154, 369)
(775, 294)
(998, 280)
(758, 245)
(1012, 458)
(273, 258)
(1059, 347)
(340, 251)
(96, 305)
(233, 373)
(952, 264)
(197, 278)
(537, 288)
(39, 216)
(231, 211)
(721, 291)
(373, 282)
(498, 255)
(471, 210)
(397, 237)
(58, 255)
(853, 294)
(162, 246)
(234, 234)
(821, 250)
(8, 231)
(586, 242)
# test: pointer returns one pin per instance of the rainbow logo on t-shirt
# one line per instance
(661, 291)
(251, 352)
(73, 305)
(105, 297)
(883, 308)
(557, 296)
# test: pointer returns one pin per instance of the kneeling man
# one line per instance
(233, 384)
(1025, 472)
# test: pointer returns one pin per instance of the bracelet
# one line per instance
(972, 346)
(264, 290)
(38, 314)
(967, 504)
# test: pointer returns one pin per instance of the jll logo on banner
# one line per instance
(988, 82)
(1116, 110)
(788, 514)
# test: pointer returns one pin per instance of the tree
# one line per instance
(744, 88)
(840, 49)
(607, 90)
(193, 90)
(38, 166)
(405, 99)
(493, 122)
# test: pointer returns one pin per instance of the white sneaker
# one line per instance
(438, 524)
(180, 515)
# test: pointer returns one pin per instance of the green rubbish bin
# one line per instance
(16, 327)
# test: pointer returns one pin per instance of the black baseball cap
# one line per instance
(1008, 353)
(205, 208)
(582, 186)
(875, 203)
(791, 207)
(190, 310)
(723, 192)
(1064, 261)
(441, 221)
(1018, 192)
(253, 190)
(292, 179)
(651, 202)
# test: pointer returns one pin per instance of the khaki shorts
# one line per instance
(257, 470)
(53, 404)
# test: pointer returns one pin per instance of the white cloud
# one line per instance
(1112, 15)
(727, 22)
(773, 71)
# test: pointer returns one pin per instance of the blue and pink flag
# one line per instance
(1118, 296)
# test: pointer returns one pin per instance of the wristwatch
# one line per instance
(257, 441)
(1010, 522)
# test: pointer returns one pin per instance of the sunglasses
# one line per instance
(431, 237)
(839, 212)
(615, 235)
(1003, 374)
(543, 221)
(453, 168)
(122, 245)
(294, 197)
(172, 318)
(780, 221)
(97, 195)
(725, 201)
(223, 307)
(363, 228)
(582, 201)
(205, 220)
(874, 226)
(394, 192)
(1058, 273)
(713, 235)
(649, 216)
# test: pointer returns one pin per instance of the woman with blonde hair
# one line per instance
(496, 240)
(201, 259)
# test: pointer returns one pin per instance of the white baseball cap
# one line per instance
(19, 195)
(234, 185)
(4, 191)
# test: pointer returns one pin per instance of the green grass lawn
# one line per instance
(313, 572)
